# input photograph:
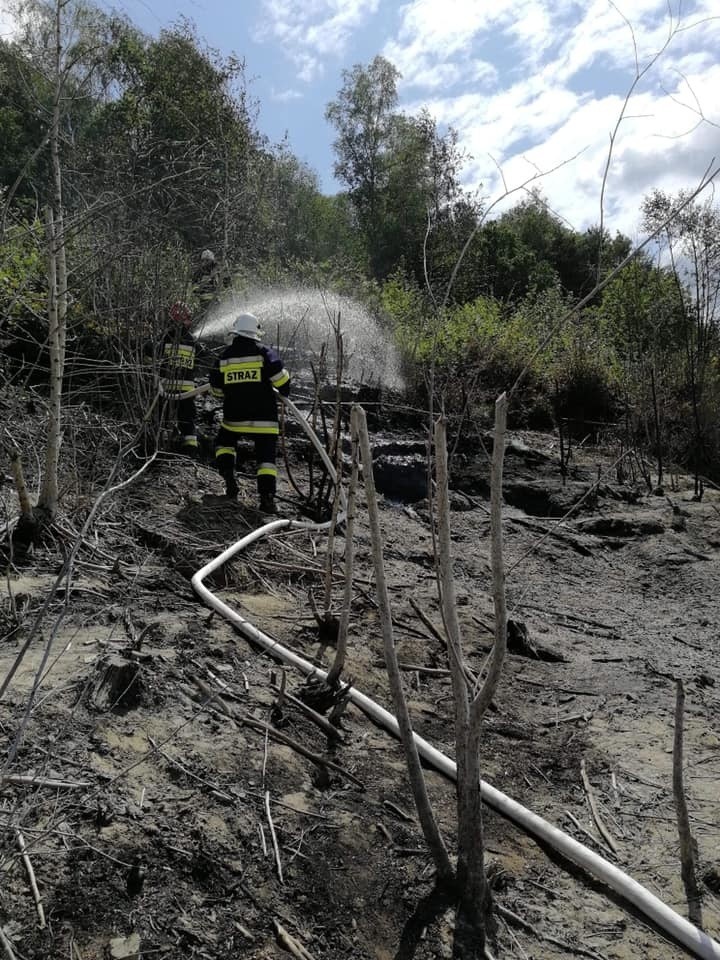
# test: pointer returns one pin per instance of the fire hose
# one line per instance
(677, 927)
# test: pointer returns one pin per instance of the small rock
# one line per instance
(125, 948)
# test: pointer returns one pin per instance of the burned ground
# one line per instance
(161, 828)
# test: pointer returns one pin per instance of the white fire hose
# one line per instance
(677, 927)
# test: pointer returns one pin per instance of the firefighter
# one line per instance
(206, 280)
(244, 375)
(177, 374)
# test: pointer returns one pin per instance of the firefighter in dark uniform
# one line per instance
(244, 375)
(177, 374)
(206, 282)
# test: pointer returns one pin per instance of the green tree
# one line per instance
(641, 314)
(528, 248)
(363, 115)
(177, 139)
(303, 225)
(24, 100)
(691, 244)
(401, 173)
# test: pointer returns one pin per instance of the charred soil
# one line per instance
(181, 828)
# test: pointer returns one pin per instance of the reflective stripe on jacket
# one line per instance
(245, 373)
(177, 360)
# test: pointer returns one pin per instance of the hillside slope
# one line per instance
(151, 708)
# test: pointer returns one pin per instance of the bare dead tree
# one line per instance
(474, 920)
(336, 456)
(57, 275)
(338, 664)
(431, 832)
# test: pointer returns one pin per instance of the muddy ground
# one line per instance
(159, 842)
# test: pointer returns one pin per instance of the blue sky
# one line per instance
(531, 86)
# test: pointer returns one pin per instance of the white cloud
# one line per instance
(555, 77)
(655, 146)
(286, 96)
(313, 30)
(538, 84)
(8, 21)
(438, 43)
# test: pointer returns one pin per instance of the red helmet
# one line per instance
(179, 312)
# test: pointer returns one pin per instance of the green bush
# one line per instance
(478, 349)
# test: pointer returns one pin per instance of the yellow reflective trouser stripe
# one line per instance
(251, 426)
(267, 470)
(190, 442)
(178, 386)
(217, 392)
(224, 451)
(280, 378)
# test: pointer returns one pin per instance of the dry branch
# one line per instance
(570, 948)
(484, 698)
(247, 721)
(291, 944)
(31, 877)
(311, 714)
(53, 783)
(578, 826)
(599, 823)
(333, 676)
(20, 485)
(687, 843)
(7, 946)
(273, 837)
(438, 634)
(188, 773)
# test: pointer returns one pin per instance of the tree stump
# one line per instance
(119, 686)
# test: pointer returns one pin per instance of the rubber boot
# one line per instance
(191, 450)
(267, 504)
(231, 487)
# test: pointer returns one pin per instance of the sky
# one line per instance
(542, 93)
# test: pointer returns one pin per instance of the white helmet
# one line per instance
(246, 325)
(207, 256)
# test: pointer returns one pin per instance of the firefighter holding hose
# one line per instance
(246, 375)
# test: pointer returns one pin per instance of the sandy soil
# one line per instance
(618, 601)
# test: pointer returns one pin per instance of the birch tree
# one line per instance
(57, 298)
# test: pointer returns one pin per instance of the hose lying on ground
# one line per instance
(677, 927)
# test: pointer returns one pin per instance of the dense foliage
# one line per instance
(162, 158)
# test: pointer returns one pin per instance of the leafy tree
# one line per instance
(364, 119)
(528, 248)
(641, 310)
(24, 99)
(691, 243)
(422, 191)
(578, 257)
(642, 315)
(23, 293)
(302, 223)
(177, 139)
(400, 172)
